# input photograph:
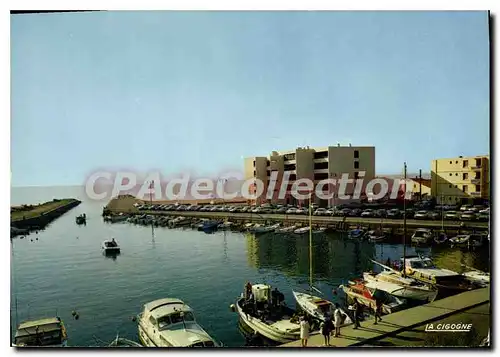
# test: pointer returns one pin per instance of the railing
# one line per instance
(475, 193)
(475, 181)
(476, 167)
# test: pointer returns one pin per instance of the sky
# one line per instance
(198, 91)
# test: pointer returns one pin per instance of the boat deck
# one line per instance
(407, 321)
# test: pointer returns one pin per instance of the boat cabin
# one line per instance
(48, 332)
(423, 269)
(176, 318)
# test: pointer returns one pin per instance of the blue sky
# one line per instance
(197, 91)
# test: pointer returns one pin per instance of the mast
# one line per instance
(310, 248)
(404, 225)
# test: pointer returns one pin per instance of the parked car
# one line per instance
(301, 211)
(291, 210)
(320, 212)
(485, 211)
(345, 212)
(356, 212)
(468, 216)
(368, 213)
(434, 215)
(464, 208)
(410, 213)
(281, 210)
(393, 213)
(452, 215)
(382, 213)
(421, 215)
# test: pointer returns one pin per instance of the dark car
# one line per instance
(394, 213)
(356, 212)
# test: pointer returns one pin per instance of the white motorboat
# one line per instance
(288, 229)
(408, 289)
(422, 236)
(365, 293)
(226, 225)
(319, 308)
(273, 322)
(319, 230)
(110, 247)
(48, 332)
(171, 323)
(478, 276)
(302, 230)
(424, 270)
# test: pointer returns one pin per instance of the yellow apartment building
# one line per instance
(460, 179)
(317, 164)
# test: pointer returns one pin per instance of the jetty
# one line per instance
(30, 217)
(408, 327)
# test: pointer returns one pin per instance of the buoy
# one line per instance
(232, 307)
(36, 238)
(32, 239)
(134, 318)
(73, 312)
(77, 317)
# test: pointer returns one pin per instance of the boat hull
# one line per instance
(301, 298)
(266, 330)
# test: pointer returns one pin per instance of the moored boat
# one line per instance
(421, 236)
(171, 323)
(375, 236)
(319, 308)
(110, 247)
(266, 229)
(288, 229)
(441, 238)
(356, 233)
(273, 321)
(366, 294)
(478, 276)
(47, 332)
(123, 342)
(402, 288)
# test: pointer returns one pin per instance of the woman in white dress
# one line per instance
(304, 331)
(338, 320)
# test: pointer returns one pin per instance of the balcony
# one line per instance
(321, 159)
(476, 167)
(475, 193)
(320, 171)
(476, 181)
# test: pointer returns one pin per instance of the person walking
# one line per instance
(378, 310)
(338, 320)
(357, 313)
(304, 331)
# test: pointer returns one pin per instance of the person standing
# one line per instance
(337, 314)
(304, 331)
(357, 313)
(378, 310)
(325, 328)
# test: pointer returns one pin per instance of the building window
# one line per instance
(268, 173)
(290, 167)
(320, 176)
(464, 188)
(450, 185)
(320, 165)
(268, 162)
(356, 154)
(456, 174)
(254, 174)
(466, 163)
(478, 188)
(321, 155)
(289, 157)
(451, 174)
(293, 177)
(356, 175)
(465, 176)
(451, 162)
(478, 162)
(253, 163)
(356, 164)
(478, 175)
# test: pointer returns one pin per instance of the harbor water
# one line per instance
(61, 270)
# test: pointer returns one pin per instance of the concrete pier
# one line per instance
(407, 328)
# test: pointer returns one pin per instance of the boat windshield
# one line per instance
(52, 338)
(422, 264)
(203, 344)
(174, 318)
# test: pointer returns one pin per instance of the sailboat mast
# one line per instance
(310, 247)
(404, 225)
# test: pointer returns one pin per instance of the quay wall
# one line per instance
(44, 218)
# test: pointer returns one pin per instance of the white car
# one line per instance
(421, 215)
(291, 211)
